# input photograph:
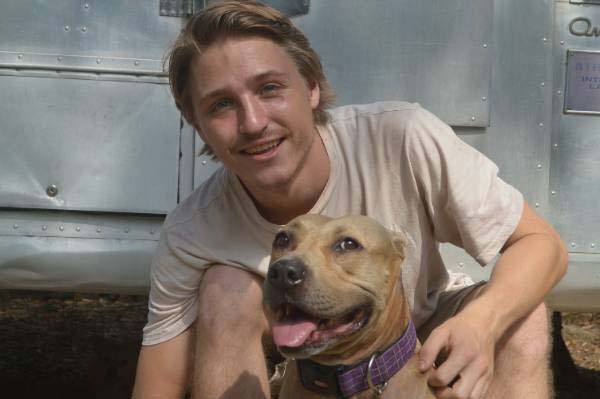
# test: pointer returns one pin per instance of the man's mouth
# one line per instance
(294, 328)
(262, 148)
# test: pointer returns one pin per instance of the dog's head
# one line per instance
(329, 283)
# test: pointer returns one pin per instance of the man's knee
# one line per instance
(527, 343)
(230, 303)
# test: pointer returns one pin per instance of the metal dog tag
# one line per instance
(317, 378)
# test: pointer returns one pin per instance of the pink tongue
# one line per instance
(292, 333)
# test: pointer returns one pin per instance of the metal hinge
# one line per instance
(186, 8)
(176, 8)
(584, 1)
(291, 8)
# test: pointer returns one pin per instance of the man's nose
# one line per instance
(253, 117)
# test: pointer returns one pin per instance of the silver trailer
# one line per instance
(93, 153)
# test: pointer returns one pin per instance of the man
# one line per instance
(250, 84)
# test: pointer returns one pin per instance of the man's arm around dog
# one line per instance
(533, 261)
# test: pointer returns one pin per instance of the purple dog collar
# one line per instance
(345, 381)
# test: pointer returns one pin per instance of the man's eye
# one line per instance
(269, 88)
(221, 105)
(281, 241)
(347, 244)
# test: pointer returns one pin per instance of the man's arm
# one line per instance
(164, 370)
(534, 259)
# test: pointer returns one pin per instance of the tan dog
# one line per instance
(334, 295)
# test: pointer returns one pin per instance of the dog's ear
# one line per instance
(399, 242)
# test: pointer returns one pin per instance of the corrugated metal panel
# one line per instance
(87, 119)
(434, 52)
(575, 182)
(127, 36)
(106, 146)
(75, 251)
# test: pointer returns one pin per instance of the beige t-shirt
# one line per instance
(391, 161)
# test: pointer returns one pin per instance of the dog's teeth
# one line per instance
(289, 311)
(279, 315)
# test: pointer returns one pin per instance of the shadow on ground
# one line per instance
(85, 346)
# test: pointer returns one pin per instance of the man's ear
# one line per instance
(314, 94)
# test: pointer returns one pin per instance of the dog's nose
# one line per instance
(286, 273)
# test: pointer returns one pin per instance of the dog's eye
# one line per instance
(281, 241)
(347, 244)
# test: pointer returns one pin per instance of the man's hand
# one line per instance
(468, 342)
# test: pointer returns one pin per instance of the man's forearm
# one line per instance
(163, 370)
(531, 264)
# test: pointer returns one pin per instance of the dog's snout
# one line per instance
(286, 273)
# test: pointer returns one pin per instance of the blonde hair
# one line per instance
(233, 18)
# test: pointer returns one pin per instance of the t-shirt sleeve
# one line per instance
(172, 303)
(468, 204)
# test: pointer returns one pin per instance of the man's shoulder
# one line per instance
(394, 122)
(400, 108)
(201, 200)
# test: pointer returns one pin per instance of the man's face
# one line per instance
(254, 110)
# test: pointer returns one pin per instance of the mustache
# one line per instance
(265, 136)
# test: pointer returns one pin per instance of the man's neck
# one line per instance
(281, 205)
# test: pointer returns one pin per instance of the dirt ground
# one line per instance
(85, 346)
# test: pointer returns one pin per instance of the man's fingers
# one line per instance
(431, 348)
(469, 377)
(480, 388)
(448, 371)
(444, 393)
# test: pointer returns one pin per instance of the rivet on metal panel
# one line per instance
(61, 228)
(537, 204)
(152, 231)
(126, 229)
(573, 245)
(98, 230)
(562, 42)
(203, 162)
(553, 192)
(461, 264)
(473, 118)
(543, 84)
(20, 56)
(98, 61)
(541, 124)
(15, 226)
(555, 145)
(44, 227)
(539, 166)
(484, 45)
(67, 28)
(78, 229)
(84, 29)
(52, 190)
(544, 40)
(86, 6)
(483, 98)
(136, 63)
(592, 245)
(59, 59)
(559, 92)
